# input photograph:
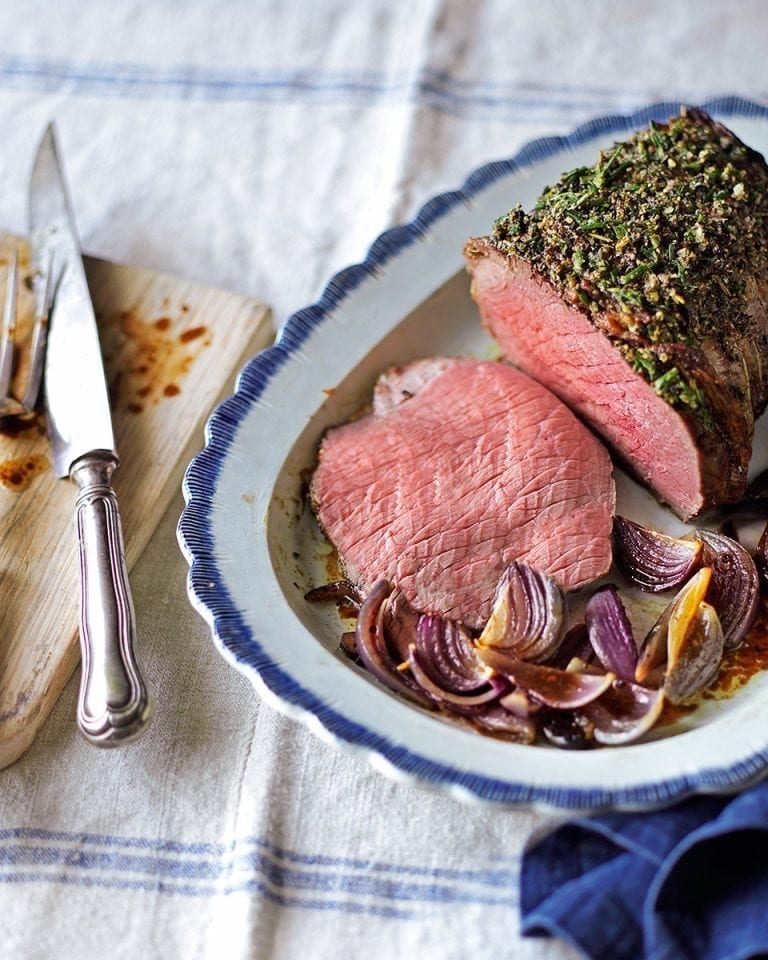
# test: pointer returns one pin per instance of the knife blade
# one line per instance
(113, 705)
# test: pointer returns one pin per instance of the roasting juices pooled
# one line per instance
(473, 512)
(637, 290)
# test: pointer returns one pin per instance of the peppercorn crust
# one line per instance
(663, 244)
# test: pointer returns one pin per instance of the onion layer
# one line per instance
(624, 713)
(610, 632)
(447, 655)
(527, 616)
(652, 560)
(735, 588)
(501, 722)
(561, 689)
(492, 689)
(655, 650)
(372, 644)
(695, 652)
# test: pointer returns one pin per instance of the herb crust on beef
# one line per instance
(658, 242)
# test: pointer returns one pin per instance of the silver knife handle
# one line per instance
(113, 706)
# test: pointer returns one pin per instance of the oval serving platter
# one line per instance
(254, 550)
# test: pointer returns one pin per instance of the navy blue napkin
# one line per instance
(688, 883)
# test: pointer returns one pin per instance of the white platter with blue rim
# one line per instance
(254, 551)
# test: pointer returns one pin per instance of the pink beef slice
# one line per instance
(463, 467)
(637, 291)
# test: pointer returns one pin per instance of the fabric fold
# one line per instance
(689, 882)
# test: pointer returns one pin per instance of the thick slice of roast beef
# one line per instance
(462, 467)
(637, 290)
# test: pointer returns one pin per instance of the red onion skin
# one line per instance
(610, 632)
(447, 656)
(401, 624)
(761, 560)
(339, 591)
(651, 560)
(698, 663)
(496, 720)
(653, 652)
(372, 646)
(624, 713)
(737, 610)
(527, 616)
(560, 689)
(475, 698)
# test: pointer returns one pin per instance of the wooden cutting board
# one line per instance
(171, 349)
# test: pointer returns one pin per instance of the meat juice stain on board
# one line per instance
(17, 474)
(148, 359)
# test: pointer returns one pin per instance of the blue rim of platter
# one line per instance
(207, 586)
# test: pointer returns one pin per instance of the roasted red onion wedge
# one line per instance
(654, 652)
(761, 559)
(610, 632)
(695, 651)
(527, 616)
(372, 645)
(501, 722)
(491, 690)
(624, 713)
(401, 623)
(339, 591)
(735, 588)
(446, 654)
(561, 689)
(652, 560)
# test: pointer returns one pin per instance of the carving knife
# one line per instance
(113, 705)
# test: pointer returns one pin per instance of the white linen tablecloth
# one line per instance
(262, 146)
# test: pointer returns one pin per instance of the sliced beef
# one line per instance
(637, 290)
(462, 467)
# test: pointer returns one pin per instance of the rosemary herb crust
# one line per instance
(663, 244)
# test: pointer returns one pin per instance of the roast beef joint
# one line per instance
(637, 290)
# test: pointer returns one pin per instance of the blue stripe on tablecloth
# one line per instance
(250, 887)
(313, 881)
(492, 877)
(435, 89)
